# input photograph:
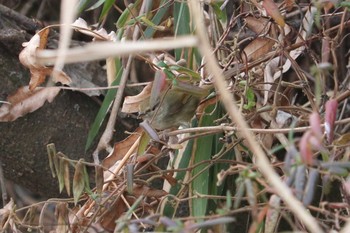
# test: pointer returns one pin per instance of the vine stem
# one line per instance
(227, 99)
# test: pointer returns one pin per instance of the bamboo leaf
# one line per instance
(107, 102)
(203, 150)
(106, 7)
(66, 176)
(78, 181)
(169, 209)
(82, 5)
(182, 26)
(96, 5)
(51, 152)
(61, 174)
(157, 18)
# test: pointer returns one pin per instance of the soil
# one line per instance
(65, 122)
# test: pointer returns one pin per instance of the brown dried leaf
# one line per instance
(61, 213)
(5, 213)
(108, 221)
(342, 140)
(120, 149)
(138, 103)
(51, 152)
(99, 179)
(148, 192)
(257, 48)
(273, 11)
(61, 174)
(25, 101)
(272, 71)
(258, 25)
(39, 72)
(66, 176)
(78, 181)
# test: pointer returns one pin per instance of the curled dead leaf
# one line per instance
(25, 101)
(39, 72)
(136, 103)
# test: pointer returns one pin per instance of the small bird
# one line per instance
(172, 104)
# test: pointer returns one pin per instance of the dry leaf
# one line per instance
(273, 11)
(258, 25)
(113, 213)
(342, 140)
(78, 181)
(148, 192)
(25, 101)
(39, 72)
(61, 213)
(120, 149)
(7, 218)
(66, 176)
(272, 72)
(138, 103)
(257, 48)
(99, 179)
(5, 213)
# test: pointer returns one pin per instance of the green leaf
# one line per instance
(182, 26)
(219, 13)
(183, 70)
(203, 150)
(96, 5)
(250, 98)
(107, 102)
(345, 4)
(157, 18)
(82, 5)
(66, 176)
(144, 140)
(125, 16)
(169, 209)
(106, 7)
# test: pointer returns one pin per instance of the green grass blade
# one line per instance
(169, 210)
(182, 26)
(107, 102)
(96, 5)
(106, 7)
(204, 149)
(82, 5)
(157, 19)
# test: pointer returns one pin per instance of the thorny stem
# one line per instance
(227, 99)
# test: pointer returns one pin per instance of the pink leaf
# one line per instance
(305, 148)
(315, 124)
(331, 113)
